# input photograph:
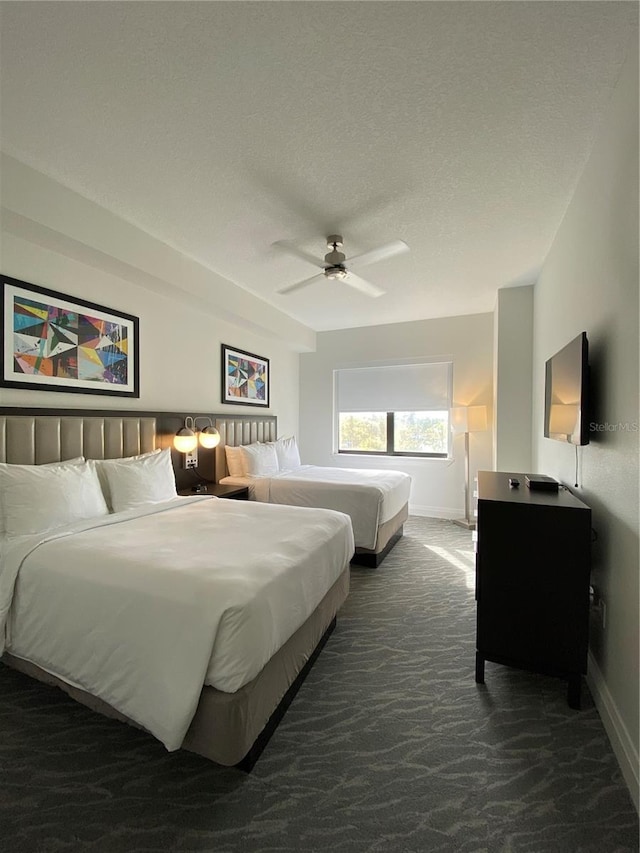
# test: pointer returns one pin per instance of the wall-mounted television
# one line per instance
(566, 392)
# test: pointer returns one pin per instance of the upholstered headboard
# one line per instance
(36, 436)
(34, 439)
(241, 429)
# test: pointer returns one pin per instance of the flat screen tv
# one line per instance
(566, 393)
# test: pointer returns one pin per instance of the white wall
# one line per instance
(589, 282)
(55, 238)
(438, 485)
(512, 361)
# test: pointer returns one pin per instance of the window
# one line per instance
(395, 410)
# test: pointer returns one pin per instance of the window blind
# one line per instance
(394, 388)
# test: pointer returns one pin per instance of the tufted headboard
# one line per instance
(241, 429)
(27, 438)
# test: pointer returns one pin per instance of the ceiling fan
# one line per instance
(336, 265)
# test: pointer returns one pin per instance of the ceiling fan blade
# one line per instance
(291, 287)
(396, 247)
(292, 249)
(364, 286)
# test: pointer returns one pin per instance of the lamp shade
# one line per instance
(185, 440)
(468, 418)
(563, 418)
(209, 437)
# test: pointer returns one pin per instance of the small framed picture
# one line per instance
(56, 342)
(245, 378)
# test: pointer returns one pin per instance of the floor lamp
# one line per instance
(467, 419)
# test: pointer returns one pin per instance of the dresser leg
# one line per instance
(479, 668)
(573, 694)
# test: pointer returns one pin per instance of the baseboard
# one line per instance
(621, 742)
(436, 511)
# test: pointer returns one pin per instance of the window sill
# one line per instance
(398, 459)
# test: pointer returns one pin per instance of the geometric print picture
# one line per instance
(65, 345)
(246, 378)
(53, 341)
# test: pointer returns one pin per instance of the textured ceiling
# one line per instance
(223, 127)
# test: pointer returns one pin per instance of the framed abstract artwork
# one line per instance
(56, 342)
(245, 378)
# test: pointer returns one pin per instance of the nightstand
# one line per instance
(219, 490)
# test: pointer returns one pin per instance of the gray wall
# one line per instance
(589, 282)
(438, 485)
(55, 238)
(512, 377)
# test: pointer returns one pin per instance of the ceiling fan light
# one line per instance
(335, 272)
(335, 265)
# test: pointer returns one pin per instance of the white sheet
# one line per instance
(143, 607)
(370, 497)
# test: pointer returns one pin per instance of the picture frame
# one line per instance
(56, 342)
(245, 378)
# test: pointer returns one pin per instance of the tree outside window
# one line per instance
(394, 433)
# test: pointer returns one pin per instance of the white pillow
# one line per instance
(38, 498)
(235, 461)
(102, 466)
(75, 461)
(149, 479)
(260, 460)
(288, 453)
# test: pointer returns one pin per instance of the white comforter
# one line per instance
(143, 607)
(369, 497)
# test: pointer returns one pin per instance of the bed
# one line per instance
(148, 610)
(377, 501)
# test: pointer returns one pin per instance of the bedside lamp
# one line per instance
(467, 419)
(186, 441)
(208, 437)
(187, 438)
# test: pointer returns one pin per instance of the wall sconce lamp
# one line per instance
(208, 437)
(187, 438)
(467, 419)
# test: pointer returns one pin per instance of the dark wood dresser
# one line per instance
(532, 579)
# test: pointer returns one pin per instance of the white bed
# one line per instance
(375, 500)
(189, 617)
(369, 497)
(142, 608)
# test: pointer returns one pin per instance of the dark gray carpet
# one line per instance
(389, 746)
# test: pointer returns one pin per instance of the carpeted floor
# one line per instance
(389, 746)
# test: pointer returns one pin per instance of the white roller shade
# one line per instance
(394, 388)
